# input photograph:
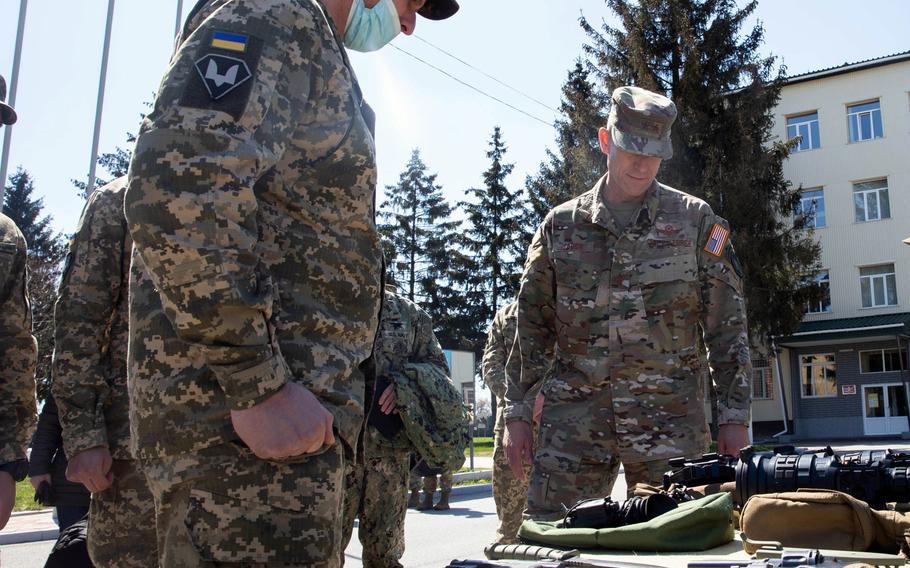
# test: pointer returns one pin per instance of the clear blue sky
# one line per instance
(529, 44)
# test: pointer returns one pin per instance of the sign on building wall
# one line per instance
(848, 389)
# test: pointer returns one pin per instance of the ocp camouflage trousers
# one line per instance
(223, 506)
(121, 521)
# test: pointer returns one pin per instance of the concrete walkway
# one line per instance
(30, 526)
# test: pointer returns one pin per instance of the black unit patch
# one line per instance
(222, 74)
(222, 78)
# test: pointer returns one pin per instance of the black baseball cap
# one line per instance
(438, 9)
(7, 114)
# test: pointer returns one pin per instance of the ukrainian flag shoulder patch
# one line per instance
(229, 41)
(717, 239)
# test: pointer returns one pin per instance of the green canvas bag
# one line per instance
(695, 525)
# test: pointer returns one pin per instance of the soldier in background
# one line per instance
(446, 478)
(376, 484)
(256, 278)
(509, 491)
(622, 279)
(18, 352)
(89, 370)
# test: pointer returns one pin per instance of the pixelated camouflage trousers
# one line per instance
(376, 491)
(223, 506)
(121, 521)
(578, 456)
(509, 493)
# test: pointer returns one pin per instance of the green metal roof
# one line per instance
(842, 328)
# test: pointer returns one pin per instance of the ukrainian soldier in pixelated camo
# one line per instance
(89, 372)
(625, 309)
(509, 492)
(377, 487)
(18, 350)
(257, 263)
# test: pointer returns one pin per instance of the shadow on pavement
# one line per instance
(459, 512)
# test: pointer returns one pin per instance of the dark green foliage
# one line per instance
(578, 162)
(115, 163)
(725, 93)
(46, 251)
(418, 238)
(495, 241)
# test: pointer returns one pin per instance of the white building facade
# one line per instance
(844, 373)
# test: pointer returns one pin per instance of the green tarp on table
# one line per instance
(693, 526)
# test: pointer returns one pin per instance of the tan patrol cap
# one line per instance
(640, 122)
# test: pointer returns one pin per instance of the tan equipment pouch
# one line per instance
(819, 518)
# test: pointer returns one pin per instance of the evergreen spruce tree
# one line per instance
(725, 93)
(495, 241)
(418, 238)
(115, 163)
(578, 162)
(46, 251)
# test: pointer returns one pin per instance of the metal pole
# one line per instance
(13, 86)
(780, 387)
(99, 107)
(179, 18)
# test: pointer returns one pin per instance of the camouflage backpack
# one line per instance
(434, 418)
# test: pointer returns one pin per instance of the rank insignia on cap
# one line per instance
(717, 239)
(222, 74)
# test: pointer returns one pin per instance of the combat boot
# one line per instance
(414, 499)
(426, 502)
(443, 504)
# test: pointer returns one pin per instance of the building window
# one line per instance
(870, 200)
(882, 361)
(823, 281)
(761, 379)
(812, 205)
(878, 286)
(818, 374)
(806, 127)
(864, 121)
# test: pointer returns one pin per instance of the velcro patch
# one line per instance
(717, 240)
(223, 73)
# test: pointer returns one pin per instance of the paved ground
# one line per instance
(433, 538)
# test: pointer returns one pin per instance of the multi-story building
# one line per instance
(844, 373)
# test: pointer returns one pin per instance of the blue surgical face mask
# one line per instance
(368, 29)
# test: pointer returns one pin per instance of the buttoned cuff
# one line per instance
(519, 411)
(727, 415)
(77, 442)
(247, 388)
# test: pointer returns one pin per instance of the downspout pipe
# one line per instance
(780, 388)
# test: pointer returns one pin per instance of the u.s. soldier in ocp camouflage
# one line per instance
(255, 284)
(18, 351)
(509, 491)
(623, 279)
(89, 384)
(377, 482)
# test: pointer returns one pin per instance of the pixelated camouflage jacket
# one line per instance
(91, 319)
(406, 346)
(18, 350)
(625, 311)
(251, 206)
(500, 341)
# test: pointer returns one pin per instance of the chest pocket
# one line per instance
(576, 294)
(669, 288)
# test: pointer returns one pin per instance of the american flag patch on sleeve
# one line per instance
(717, 240)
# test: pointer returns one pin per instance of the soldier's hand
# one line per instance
(7, 497)
(518, 442)
(731, 438)
(289, 423)
(387, 400)
(36, 480)
(92, 468)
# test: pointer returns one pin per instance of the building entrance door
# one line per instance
(884, 409)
